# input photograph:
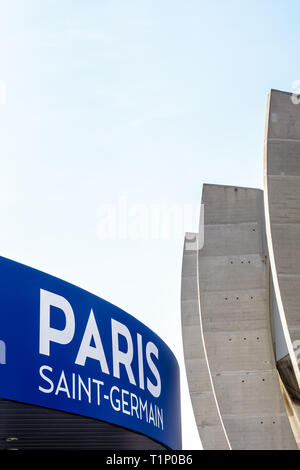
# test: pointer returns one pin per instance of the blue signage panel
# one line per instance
(64, 348)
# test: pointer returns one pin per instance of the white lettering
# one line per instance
(48, 334)
(63, 388)
(120, 357)
(153, 389)
(94, 352)
(46, 390)
(141, 362)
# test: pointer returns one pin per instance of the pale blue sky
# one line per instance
(144, 99)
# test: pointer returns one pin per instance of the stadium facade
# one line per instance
(77, 372)
(240, 300)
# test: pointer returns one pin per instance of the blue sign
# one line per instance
(64, 348)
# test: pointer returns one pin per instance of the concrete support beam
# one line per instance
(205, 406)
(226, 324)
(282, 207)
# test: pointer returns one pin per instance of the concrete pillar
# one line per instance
(230, 330)
(282, 208)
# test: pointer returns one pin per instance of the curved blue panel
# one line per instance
(66, 349)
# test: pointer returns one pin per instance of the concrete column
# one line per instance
(230, 335)
(282, 207)
(207, 415)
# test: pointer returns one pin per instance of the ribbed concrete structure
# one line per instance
(282, 203)
(228, 344)
(207, 413)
